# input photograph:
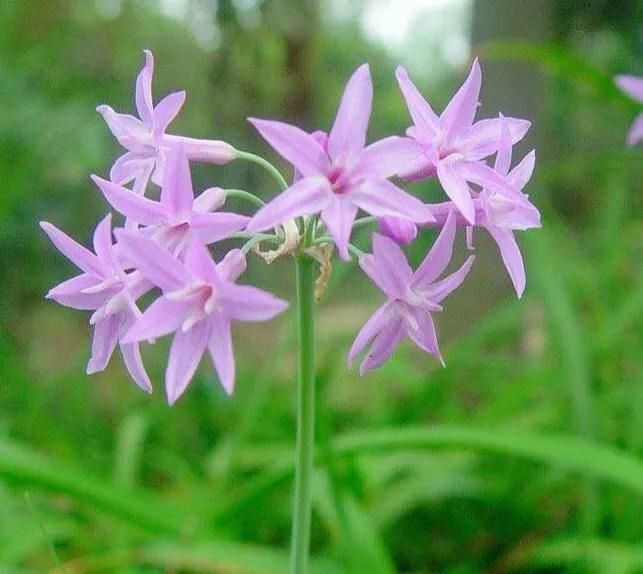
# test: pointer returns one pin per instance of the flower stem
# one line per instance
(271, 169)
(305, 415)
(251, 197)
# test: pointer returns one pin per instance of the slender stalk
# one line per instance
(305, 415)
(241, 193)
(271, 169)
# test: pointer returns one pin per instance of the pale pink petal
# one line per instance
(339, 217)
(399, 230)
(481, 139)
(520, 175)
(210, 199)
(385, 342)
(503, 157)
(631, 85)
(103, 343)
(81, 257)
(130, 132)
(166, 110)
(307, 196)
(177, 194)
(481, 174)
(211, 227)
(635, 135)
(103, 244)
(393, 271)
(348, 134)
(388, 157)
(221, 352)
(461, 110)
(457, 188)
(185, 356)
(294, 145)
(153, 261)
(131, 354)
(382, 198)
(246, 303)
(439, 255)
(127, 167)
(70, 293)
(423, 333)
(368, 331)
(436, 292)
(130, 204)
(423, 115)
(206, 151)
(511, 256)
(163, 316)
(143, 98)
(232, 265)
(199, 260)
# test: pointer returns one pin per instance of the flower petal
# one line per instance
(103, 244)
(307, 196)
(232, 265)
(439, 255)
(631, 85)
(481, 139)
(210, 199)
(481, 174)
(339, 217)
(153, 261)
(368, 331)
(130, 204)
(163, 316)
(143, 97)
(211, 227)
(220, 347)
(635, 135)
(246, 303)
(70, 293)
(503, 157)
(128, 130)
(205, 151)
(166, 110)
(457, 188)
(103, 343)
(511, 256)
(520, 175)
(398, 229)
(461, 110)
(131, 354)
(385, 342)
(381, 198)
(348, 134)
(185, 356)
(388, 157)
(388, 267)
(81, 257)
(294, 145)
(423, 115)
(199, 260)
(424, 335)
(177, 195)
(436, 292)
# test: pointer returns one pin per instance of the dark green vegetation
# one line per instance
(523, 455)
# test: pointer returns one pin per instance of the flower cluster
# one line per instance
(162, 245)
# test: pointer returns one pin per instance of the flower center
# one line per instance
(339, 180)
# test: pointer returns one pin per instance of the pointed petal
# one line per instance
(143, 97)
(382, 198)
(399, 230)
(232, 265)
(388, 157)
(103, 244)
(205, 151)
(423, 115)
(294, 145)
(153, 261)
(199, 260)
(131, 354)
(457, 188)
(503, 157)
(163, 316)
(388, 267)
(126, 167)
(103, 343)
(481, 174)
(338, 218)
(166, 110)
(424, 336)
(128, 130)
(210, 199)
(177, 194)
(635, 135)
(368, 331)
(220, 347)
(348, 134)
(631, 85)
(81, 257)
(140, 209)
(185, 356)
(439, 255)
(246, 303)
(520, 175)
(438, 291)
(70, 293)
(307, 196)
(461, 110)
(481, 139)
(511, 257)
(211, 227)
(383, 346)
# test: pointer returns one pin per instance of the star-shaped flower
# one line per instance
(199, 302)
(146, 139)
(633, 87)
(342, 176)
(106, 289)
(452, 146)
(177, 216)
(412, 297)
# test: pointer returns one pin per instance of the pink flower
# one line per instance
(343, 176)
(178, 215)
(106, 289)
(452, 146)
(412, 297)
(199, 301)
(146, 140)
(633, 87)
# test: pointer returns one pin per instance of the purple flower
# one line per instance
(145, 138)
(106, 289)
(338, 179)
(400, 230)
(199, 301)
(177, 216)
(451, 146)
(412, 297)
(633, 87)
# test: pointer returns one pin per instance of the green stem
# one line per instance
(305, 415)
(241, 193)
(271, 169)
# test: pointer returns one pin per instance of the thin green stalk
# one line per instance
(305, 416)
(243, 194)
(271, 169)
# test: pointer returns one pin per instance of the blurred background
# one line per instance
(523, 455)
